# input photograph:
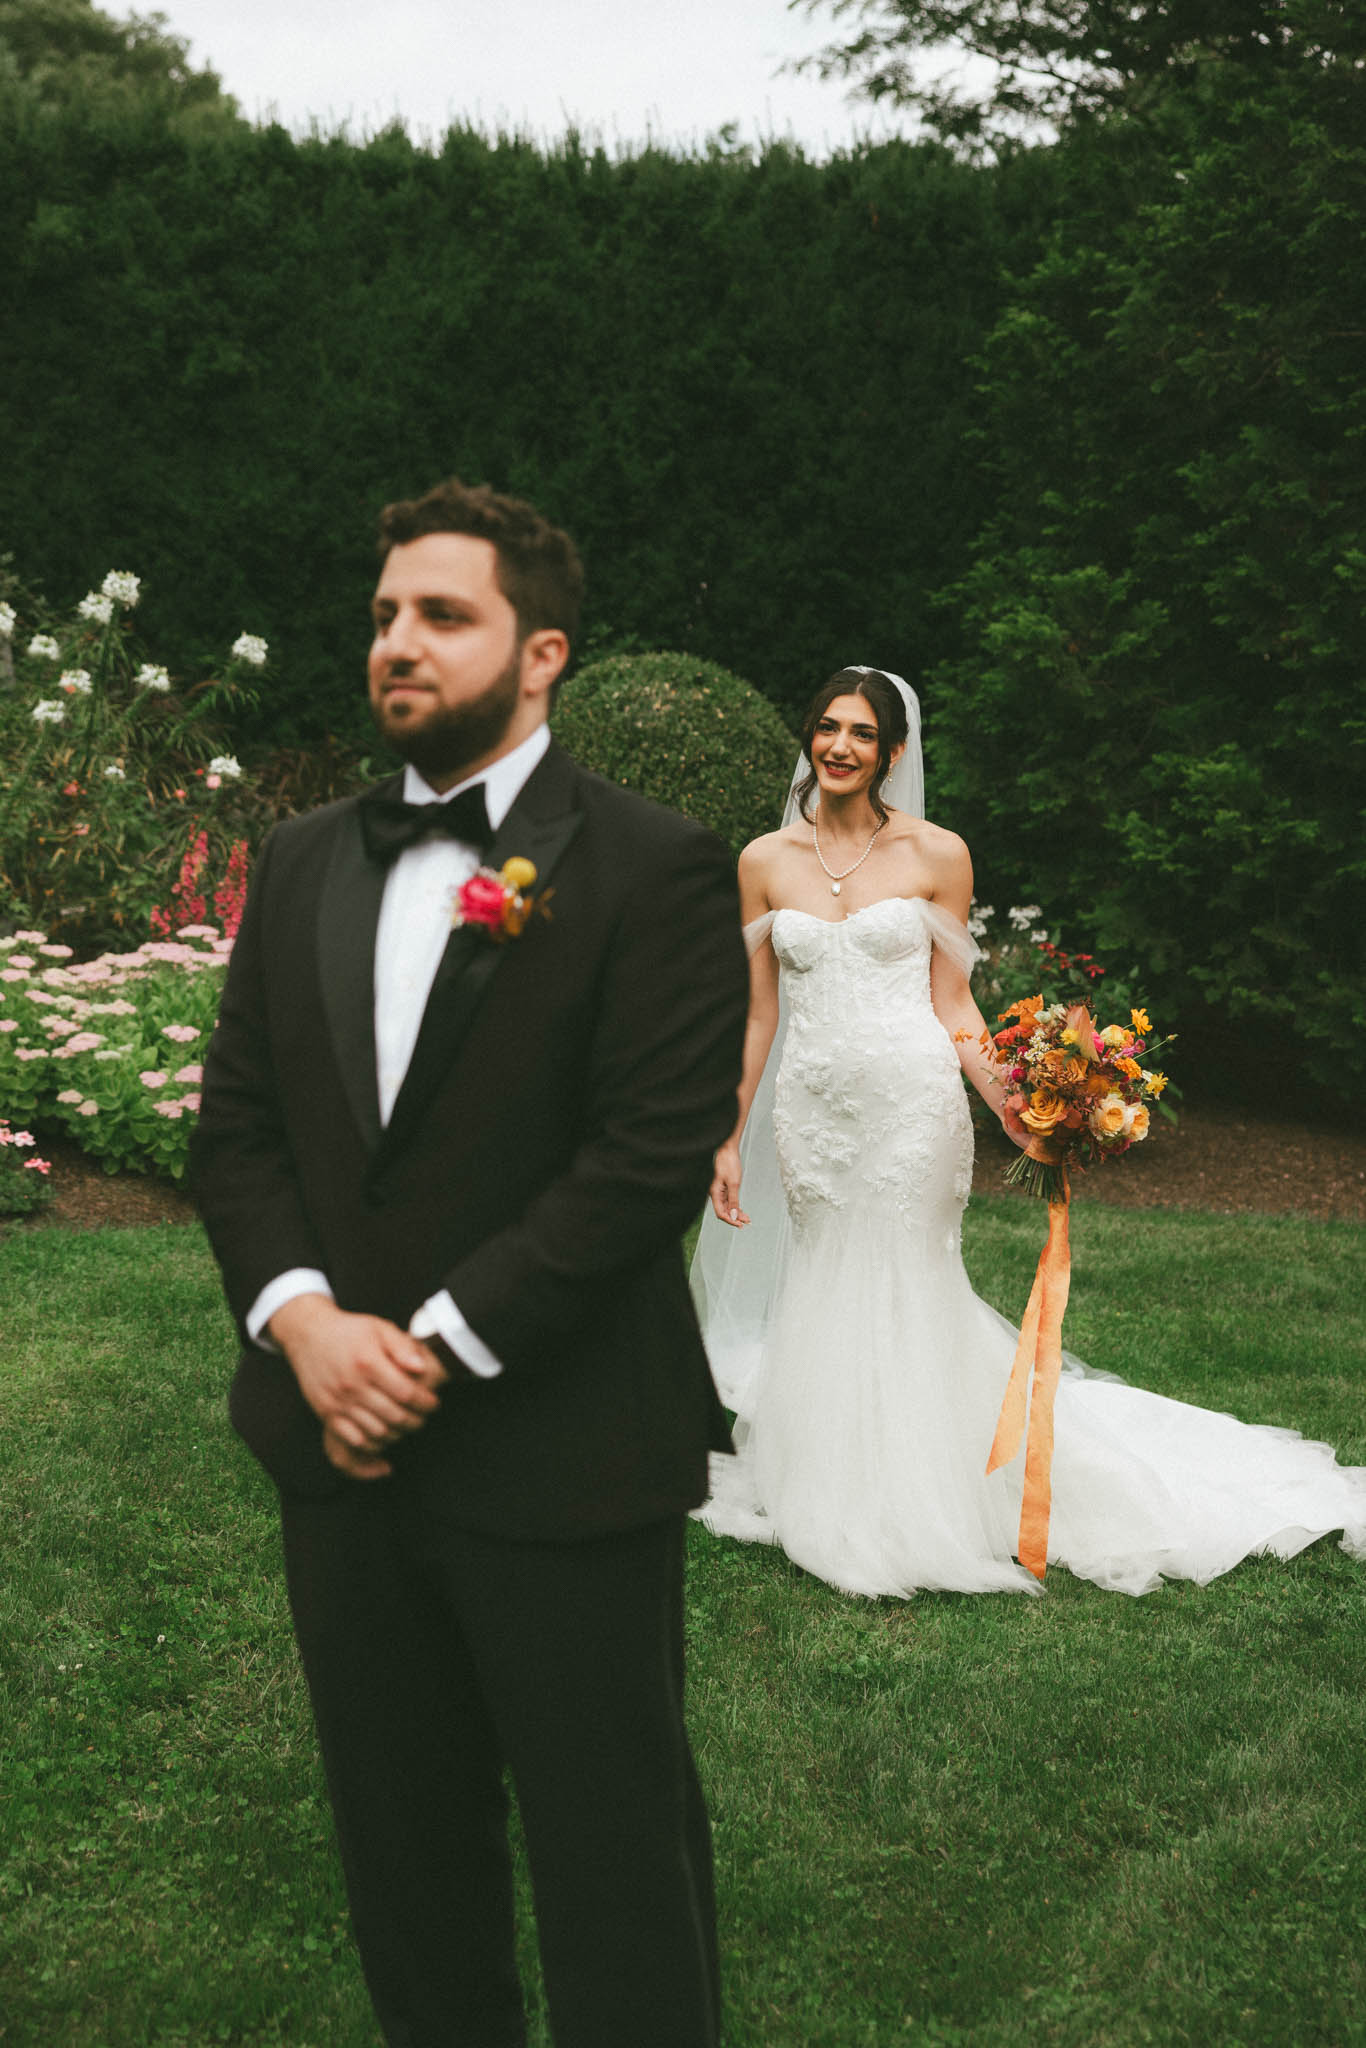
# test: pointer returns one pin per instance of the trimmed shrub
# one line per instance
(684, 733)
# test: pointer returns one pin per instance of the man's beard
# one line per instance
(444, 741)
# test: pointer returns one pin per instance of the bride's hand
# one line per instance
(725, 1187)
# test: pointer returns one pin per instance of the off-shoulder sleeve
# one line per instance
(951, 937)
(755, 933)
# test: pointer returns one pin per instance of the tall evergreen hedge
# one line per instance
(741, 384)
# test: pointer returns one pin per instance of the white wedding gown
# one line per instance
(863, 1432)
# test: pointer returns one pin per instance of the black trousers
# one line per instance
(435, 1657)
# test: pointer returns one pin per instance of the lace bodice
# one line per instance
(869, 1109)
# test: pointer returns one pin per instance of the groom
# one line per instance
(445, 1175)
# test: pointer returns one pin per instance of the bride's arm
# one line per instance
(951, 994)
(760, 1027)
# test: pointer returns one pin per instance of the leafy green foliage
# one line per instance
(741, 383)
(1158, 725)
(110, 1051)
(684, 733)
(1070, 61)
(108, 773)
(71, 57)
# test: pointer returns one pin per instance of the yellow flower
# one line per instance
(1141, 1021)
(1138, 1126)
(517, 873)
(1115, 1034)
(1155, 1083)
(1131, 1068)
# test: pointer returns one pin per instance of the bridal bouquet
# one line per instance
(1082, 1093)
(1079, 1089)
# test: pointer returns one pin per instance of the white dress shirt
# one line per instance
(414, 926)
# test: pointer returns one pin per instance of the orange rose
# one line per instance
(1044, 1113)
(1138, 1128)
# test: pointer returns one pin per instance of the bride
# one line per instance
(865, 1373)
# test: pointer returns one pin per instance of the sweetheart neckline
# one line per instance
(813, 917)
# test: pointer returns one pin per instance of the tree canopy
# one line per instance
(1059, 62)
(71, 55)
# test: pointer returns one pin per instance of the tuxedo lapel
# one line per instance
(540, 825)
(348, 917)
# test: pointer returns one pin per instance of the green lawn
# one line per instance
(1083, 1819)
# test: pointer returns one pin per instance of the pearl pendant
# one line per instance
(834, 888)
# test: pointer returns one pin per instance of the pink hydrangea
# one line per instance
(150, 1078)
(193, 1072)
(181, 1033)
(169, 1108)
(191, 1101)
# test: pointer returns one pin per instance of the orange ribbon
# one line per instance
(1040, 1347)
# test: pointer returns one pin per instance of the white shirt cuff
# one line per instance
(439, 1317)
(298, 1280)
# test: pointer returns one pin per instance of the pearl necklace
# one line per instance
(835, 879)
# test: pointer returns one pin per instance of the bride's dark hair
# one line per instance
(888, 707)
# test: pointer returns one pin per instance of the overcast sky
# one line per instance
(621, 69)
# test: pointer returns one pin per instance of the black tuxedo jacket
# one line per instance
(551, 1141)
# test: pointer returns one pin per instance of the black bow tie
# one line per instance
(389, 826)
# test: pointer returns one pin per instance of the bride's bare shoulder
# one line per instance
(763, 855)
(933, 843)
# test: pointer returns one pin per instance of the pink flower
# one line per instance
(150, 1078)
(21, 1137)
(20, 960)
(38, 1165)
(84, 1041)
(71, 1095)
(191, 1101)
(176, 1109)
(12, 974)
(481, 901)
(8, 1024)
(57, 952)
(30, 938)
(213, 781)
(80, 830)
(197, 931)
(181, 1033)
(89, 1109)
(190, 1073)
(30, 1052)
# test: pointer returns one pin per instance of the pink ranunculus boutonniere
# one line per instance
(501, 904)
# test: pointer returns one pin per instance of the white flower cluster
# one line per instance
(226, 765)
(8, 620)
(95, 605)
(152, 677)
(44, 644)
(75, 681)
(48, 711)
(250, 647)
(122, 586)
(114, 772)
(1024, 916)
(979, 917)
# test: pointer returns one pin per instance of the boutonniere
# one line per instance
(501, 904)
